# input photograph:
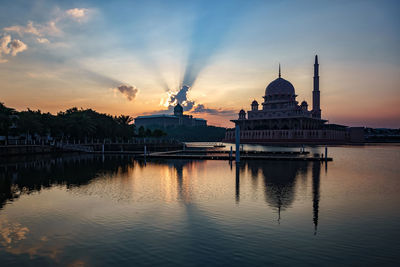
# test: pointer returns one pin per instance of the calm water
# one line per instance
(91, 211)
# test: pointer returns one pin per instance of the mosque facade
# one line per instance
(282, 119)
(166, 120)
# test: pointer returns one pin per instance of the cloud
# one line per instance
(77, 14)
(29, 28)
(17, 46)
(51, 29)
(42, 40)
(200, 108)
(11, 233)
(4, 41)
(129, 91)
(40, 30)
(180, 97)
(10, 46)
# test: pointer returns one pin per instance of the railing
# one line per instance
(80, 148)
(15, 141)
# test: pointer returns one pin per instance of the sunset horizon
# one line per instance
(133, 59)
(200, 133)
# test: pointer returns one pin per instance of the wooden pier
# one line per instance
(245, 155)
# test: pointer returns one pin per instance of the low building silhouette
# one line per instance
(164, 120)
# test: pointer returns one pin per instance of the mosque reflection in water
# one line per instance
(278, 177)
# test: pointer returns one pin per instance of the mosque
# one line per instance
(166, 120)
(283, 119)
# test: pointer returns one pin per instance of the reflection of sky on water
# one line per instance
(11, 233)
(121, 210)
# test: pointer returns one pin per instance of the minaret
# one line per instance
(316, 110)
(279, 75)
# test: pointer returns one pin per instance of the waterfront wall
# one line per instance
(11, 150)
(24, 149)
(295, 136)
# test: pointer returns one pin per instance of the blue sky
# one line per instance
(79, 53)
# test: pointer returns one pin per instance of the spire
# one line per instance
(316, 94)
(316, 68)
(279, 70)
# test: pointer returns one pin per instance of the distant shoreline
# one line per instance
(25, 150)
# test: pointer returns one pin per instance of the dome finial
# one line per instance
(279, 70)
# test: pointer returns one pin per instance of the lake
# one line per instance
(89, 210)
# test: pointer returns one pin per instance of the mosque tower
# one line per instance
(316, 110)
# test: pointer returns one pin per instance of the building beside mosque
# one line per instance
(174, 120)
(282, 119)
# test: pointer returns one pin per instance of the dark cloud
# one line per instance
(17, 46)
(200, 108)
(181, 97)
(129, 91)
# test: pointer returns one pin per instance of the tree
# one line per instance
(148, 133)
(78, 124)
(159, 133)
(6, 120)
(29, 122)
(126, 128)
(141, 132)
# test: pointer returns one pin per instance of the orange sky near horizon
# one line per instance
(56, 56)
(343, 100)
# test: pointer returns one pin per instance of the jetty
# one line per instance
(165, 150)
(230, 155)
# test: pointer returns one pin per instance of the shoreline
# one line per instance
(27, 150)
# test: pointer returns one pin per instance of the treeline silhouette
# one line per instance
(72, 124)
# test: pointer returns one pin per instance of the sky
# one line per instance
(214, 57)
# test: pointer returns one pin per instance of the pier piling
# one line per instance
(237, 135)
(326, 153)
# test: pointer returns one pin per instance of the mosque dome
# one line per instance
(242, 114)
(279, 86)
(178, 109)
